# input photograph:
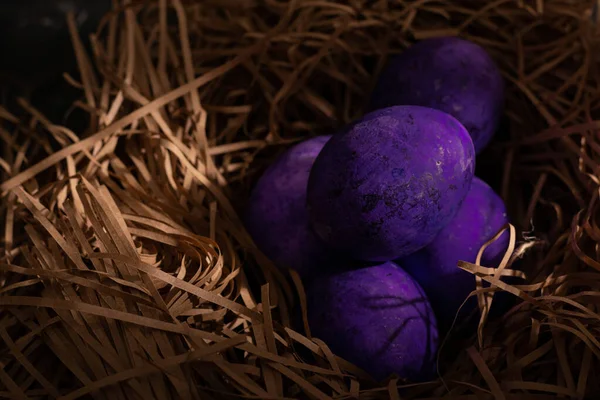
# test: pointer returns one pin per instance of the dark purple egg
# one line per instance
(276, 216)
(378, 318)
(480, 217)
(449, 74)
(386, 185)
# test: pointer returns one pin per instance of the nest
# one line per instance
(127, 274)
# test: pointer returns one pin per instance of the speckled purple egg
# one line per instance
(449, 74)
(378, 318)
(276, 216)
(480, 217)
(387, 184)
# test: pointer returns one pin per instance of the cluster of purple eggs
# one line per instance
(375, 217)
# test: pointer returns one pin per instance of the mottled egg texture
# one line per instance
(276, 215)
(481, 216)
(387, 184)
(378, 318)
(449, 74)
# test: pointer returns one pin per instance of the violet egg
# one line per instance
(449, 74)
(386, 185)
(480, 217)
(276, 215)
(378, 318)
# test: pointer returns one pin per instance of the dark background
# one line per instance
(35, 49)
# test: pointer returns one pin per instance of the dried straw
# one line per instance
(125, 270)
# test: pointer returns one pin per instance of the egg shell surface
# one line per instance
(481, 216)
(386, 185)
(449, 74)
(276, 215)
(376, 317)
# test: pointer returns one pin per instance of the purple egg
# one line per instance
(480, 217)
(386, 185)
(449, 74)
(276, 216)
(378, 318)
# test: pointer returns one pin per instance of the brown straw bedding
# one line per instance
(126, 272)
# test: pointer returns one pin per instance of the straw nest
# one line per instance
(126, 273)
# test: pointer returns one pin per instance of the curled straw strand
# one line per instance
(126, 272)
